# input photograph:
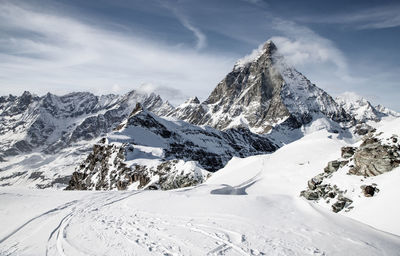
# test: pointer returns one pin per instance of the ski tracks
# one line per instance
(103, 224)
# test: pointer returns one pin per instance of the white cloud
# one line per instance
(303, 46)
(116, 89)
(172, 94)
(382, 17)
(58, 53)
(316, 57)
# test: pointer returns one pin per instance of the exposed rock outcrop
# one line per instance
(377, 154)
(105, 169)
(319, 190)
(374, 157)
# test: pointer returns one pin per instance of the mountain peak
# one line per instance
(261, 92)
(269, 47)
(192, 100)
(138, 108)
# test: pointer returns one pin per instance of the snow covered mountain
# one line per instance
(250, 207)
(41, 138)
(387, 111)
(259, 93)
(150, 151)
(361, 109)
(240, 193)
(53, 122)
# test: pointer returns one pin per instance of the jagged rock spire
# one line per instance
(269, 47)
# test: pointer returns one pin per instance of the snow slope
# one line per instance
(250, 207)
(191, 222)
(381, 210)
(287, 171)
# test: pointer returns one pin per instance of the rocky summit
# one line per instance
(261, 92)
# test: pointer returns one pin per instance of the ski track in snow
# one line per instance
(108, 223)
(104, 224)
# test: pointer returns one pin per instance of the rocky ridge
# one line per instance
(361, 109)
(176, 153)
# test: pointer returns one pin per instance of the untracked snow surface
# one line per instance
(250, 207)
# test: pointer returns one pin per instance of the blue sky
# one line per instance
(184, 48)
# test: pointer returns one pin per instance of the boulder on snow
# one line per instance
(333, 166)
(347, 152)
(312, 184)
(341, 203)
(369, 190)
(309, 195)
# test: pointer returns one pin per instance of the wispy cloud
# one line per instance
(172, 94)
(301, 45)
(59, 53)
(372, 18)
(201, 39)
(382, 17)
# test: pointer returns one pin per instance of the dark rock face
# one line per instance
(101, 170)
(320, 190)
(369, 190)
(347, 152)
(363, 129)
(341, 203)
(263, 92)
(104, 169)
(314, 182)
(310, 195)
(333, 166)
(233, 142)
(317, 190)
